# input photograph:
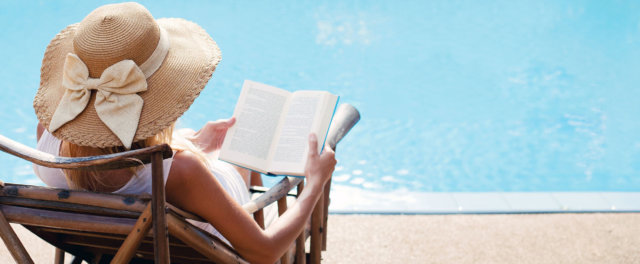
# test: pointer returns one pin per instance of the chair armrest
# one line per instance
(345, 117)
(262, 189)
(276, 192)
(103, 162)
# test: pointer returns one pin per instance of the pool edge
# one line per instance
(346, 201)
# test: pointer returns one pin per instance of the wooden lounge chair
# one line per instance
(104, 227)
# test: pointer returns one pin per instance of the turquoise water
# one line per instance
(454, 95)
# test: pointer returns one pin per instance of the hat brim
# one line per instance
(188, 66)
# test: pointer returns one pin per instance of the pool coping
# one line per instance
(497, 203)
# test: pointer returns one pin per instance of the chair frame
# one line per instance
(88, 216)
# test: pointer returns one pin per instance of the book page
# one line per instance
(257, 113)
(306, 113)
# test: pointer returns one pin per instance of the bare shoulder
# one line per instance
(186, 168)
(186, 162)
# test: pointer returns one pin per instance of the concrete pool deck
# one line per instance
(460, 238)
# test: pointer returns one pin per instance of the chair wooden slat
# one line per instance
(147, 241)
(65, 220)
(64, 206)
(106, 200)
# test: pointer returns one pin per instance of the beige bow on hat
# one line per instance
(117, 103)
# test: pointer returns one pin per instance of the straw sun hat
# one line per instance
(120, 76)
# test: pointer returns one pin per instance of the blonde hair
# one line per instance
(93, 180)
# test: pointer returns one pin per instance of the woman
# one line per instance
(119, 80)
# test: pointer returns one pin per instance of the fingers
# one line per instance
(328, 149)
(225, 123)
(330, 155)
(313, 145)
(231, 121)
(219, 125)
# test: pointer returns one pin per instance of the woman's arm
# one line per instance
(192, 187)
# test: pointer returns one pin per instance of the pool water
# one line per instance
(455, 96)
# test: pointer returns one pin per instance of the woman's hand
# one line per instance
(210, 137)
(319, 167)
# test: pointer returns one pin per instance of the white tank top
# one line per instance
(54, 177)
(226, 174)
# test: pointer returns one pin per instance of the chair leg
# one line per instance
(327, 189)
(316, 231)
(59, 258)
(12, 241)
(300, 245)
(258, 216)
(282, 207)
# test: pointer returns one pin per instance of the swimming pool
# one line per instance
(455, 96)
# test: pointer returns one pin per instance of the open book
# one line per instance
(271, 134)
